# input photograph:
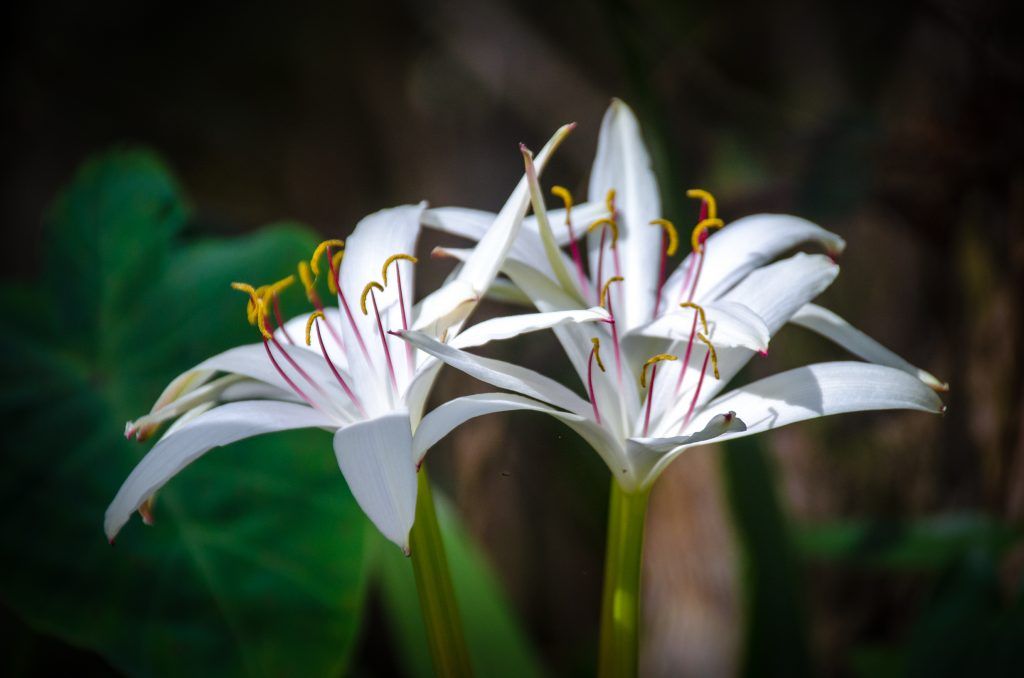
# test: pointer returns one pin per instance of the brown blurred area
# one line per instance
(897, 126)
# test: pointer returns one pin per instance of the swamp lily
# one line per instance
(654, 370)
(339, 369)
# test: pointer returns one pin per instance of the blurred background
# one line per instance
(869, 544)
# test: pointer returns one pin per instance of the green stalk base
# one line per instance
(620, 603)
(434, 585)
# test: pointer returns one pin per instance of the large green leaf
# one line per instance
(497, 644)
(256, 564)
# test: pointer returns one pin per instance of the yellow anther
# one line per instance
(673, 235)
(366, 290)
(307, 280)
(256, 302)
(612, 226)
(597, 352)
(563, 193)
(309, 325)
(701, 228)
(335, 263)
(653, 360)
(609, 201)
(281, 285)
(314, 261)
(393, 258)
(711, 350)
(700, 312)
(709, 200)
(604, 290)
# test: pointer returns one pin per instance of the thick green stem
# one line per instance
(620, 603)
(434, 584)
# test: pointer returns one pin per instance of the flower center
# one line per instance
(713, 355)
(313, 320)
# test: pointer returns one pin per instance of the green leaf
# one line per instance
(497, 644)
(256, 564)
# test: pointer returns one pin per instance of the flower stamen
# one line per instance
(314, 261)
(395, 258)
(652, 362)
(606, 301)
(574, 247)
(368, 291)
(327, 358)
(595, 355)
(713, 355)
(669, 245)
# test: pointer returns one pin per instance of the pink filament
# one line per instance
(696, 394)
(337, 375)
(590, 387)
(384, 342)
(280, 323)
(286, 378)
(344, 304)
(577, 258)
(405, 323)
(650, 399)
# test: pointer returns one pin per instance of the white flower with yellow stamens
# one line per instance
(701, 324)
(349, 376)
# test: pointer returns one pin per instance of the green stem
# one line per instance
(620, 603)
(434, 584)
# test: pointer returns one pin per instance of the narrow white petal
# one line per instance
(441, 421)
(502, 374)
(831, 326)
(294, 330)
(742, 246)
(483, 264)
(376, 459)
(777, 291)
(650, 456)
(505, 327)
(820, 390)
(220, 426)
(473, 224)
(729, 324)
(622, 163)
(504, 291)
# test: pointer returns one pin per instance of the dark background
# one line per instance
(896, 125)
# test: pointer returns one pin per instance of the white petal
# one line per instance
(473, 224)
(622, 163)
(295, 330)
(777, 291)
(375, 457)
(441, 421)
(729, 324)
(504, 291)
(820, 390)
(502, 374)
(650, 456)
(505, 327)
(482, 266)
(742, 246)
(831, 326)
(219, 426)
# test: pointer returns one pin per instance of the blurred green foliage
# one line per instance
(260, 560)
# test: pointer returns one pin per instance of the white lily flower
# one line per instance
(349, 376)
(655, 370)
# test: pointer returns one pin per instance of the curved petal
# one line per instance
(623, 164)
(820, 390)
(472, 224)
(650, 456)
(506, 327)
(441, 421)
(219, 426)
(502, 374)
(729, 324)
(294, 330)
(375, 456)
(777, 291)
(483, 264)
(831, 326)
(742, 246)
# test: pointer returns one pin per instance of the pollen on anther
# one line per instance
(366, 291)
(309, 325)
(700, 312)
(709, 200)
(393, 258)
(609, 201)
(314, 261)
(612, 226)
(563, 193)
(307, 279)
(604, 290)
(597, 352)
(673, 235)
(654, 360)
(700, 232)
(712, 352)
(256, 302)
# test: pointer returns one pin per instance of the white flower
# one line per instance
(353, 378)
(654, 372)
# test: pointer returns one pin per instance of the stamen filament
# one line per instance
(337, 375)
(605, 299)
(336, 275)
(652, 362)
(574, 247)
(287, 379)
(669, 245)
(277, 315)
(595, 355)
(713, 356)
(368, 290)
(395, 258)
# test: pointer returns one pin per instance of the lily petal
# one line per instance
(473, 224)
(623, 164)
(831, 326)
(650, 456)
(220, 426)
(501, 374)
(729, 324)
(441, 421)
(742, 246)
(820, 390)
(375, 457)
(506, 327)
